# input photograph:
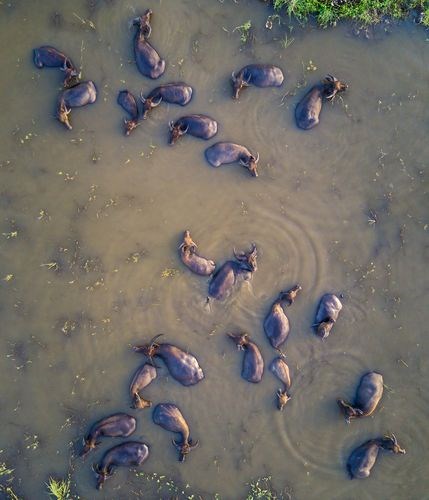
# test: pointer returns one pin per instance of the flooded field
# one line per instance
(91, 222)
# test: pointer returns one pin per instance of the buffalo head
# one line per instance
(238, 82)
(149, 103)
(176, 131)
(248, 259)
(250, 163)
(331, 86)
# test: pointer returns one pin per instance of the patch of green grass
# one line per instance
(169, 272)
(261, 489)
(286, 41)
(6, 480)
(245, 31)
(59, 489)
(366, 12)
(4, 470)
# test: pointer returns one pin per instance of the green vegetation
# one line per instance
(160, 486)
(59, 489)
(245, 31)
(6, 480)
(365, 12)
(261, 489)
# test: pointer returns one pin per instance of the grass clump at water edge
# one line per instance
(245, 31)
(59, 488)
(160, 486)
(6, 480)
(262, 489)
(366, 12)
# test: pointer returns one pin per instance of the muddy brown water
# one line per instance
(91, 222)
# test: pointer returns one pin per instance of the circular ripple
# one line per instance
(293, 253)
(356, 308)
(315, 388)
(412, 467)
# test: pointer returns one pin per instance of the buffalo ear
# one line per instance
(184, 129)
(171, 125)
(234, 78)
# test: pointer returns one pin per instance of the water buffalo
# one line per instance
(259, 75)
(228, 152)
(201, 126)
(170, 418)
(80, 95)
(117, 425)
(173, 93)
(50, 57)
(276, 323)
(232, 273)
(182, 365)
(196, 263)
(148, 60)
(253, 363)
(308, 109)
(281, 370)
(368, 396)
(327, 314)
(128, 102)
(363, 458)
(141, 379)
(130, 453)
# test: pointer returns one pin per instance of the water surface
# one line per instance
(91, 222)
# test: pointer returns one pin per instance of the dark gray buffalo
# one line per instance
(141, 379)
(80, 95)
(169, 417)
(259, 75)
(308, 109)
(182, 365)
(222, 153)
(200, 126)
(129, 454)
(368, 395)
(253, 362)
(128, 102)
(363, 458)
(232, 273)
(50, 57)
(280, 369)
(173, 93)
(327, 314)
(276, 323)
(148, 60)
(196, 263)
(117, 425)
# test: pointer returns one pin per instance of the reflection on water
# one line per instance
(90, 227)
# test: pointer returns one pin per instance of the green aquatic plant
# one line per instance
(6, 479)
(262, 489)
(59, 489)
(365, 12)
(286, 41)
(245, 31)
(169, 272)
(4, 470)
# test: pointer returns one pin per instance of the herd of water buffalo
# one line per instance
(182, 365)
(77, 94)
